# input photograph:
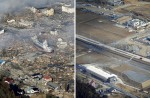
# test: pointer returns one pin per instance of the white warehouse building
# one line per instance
(99, 73)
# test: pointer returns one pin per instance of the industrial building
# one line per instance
(100, 74)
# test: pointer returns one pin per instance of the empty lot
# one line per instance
(99, 28)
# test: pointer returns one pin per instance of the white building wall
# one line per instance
(99, 72)
(67, 9)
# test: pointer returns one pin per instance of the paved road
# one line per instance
(136, 58)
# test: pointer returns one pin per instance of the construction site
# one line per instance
(37, 48)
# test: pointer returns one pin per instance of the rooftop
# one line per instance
(53, 85)
(99, 71)
(137, 76)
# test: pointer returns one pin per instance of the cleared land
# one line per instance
(99, 28)
(142, 10)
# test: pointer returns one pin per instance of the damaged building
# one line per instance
(47, 11)
(136, 23)
(43, 10)
(67, 9)
(43, 45)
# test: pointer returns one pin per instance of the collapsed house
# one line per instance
(43, 10)
(2, 31)
(25, 23)
(137, 23)
(32, 9)
(61, 44)
(47, 12)
(11, 21)
(67, 9)
(20, 23)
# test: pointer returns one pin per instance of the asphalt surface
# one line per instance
(124, 59)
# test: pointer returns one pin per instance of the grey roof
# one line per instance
(53, 85)
(2, 61)
(137, 76)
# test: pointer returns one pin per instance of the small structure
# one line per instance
(9, 80)
(68, 9)
(47, 11)
(47, 78)
(53, 85)
(61, 44)
(136, 23)
(2, 62)
(2, 31)
(32, 9)
(37, 76)
(54, 33)
(11, 21)
(25, 23)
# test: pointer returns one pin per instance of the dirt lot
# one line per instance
(85, 57)
(142, 10)
(99, 28)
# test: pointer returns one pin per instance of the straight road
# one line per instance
(134, 60)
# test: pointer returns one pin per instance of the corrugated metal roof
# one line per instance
(99, 71)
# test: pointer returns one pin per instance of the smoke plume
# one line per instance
(12, 5)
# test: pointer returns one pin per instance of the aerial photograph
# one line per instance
(113, 49)
(37, 48)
